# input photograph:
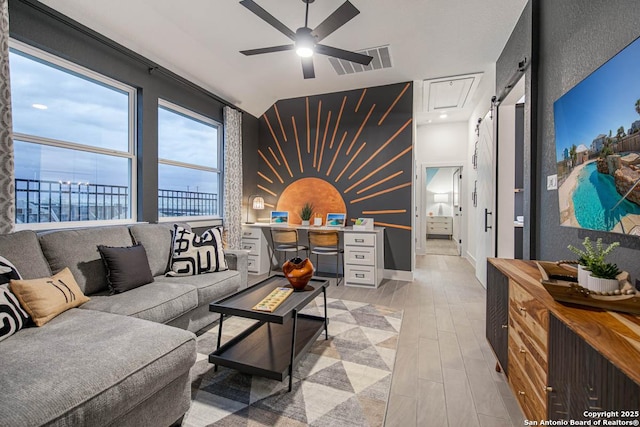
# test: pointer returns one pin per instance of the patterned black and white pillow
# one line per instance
(193, 254)
(12, 316)
(8, 271)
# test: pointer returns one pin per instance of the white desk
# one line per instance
(363, 251)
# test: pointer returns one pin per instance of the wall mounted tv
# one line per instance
(597, 127)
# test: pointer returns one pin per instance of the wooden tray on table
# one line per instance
(561, 281)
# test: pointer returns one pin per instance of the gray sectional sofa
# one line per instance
(112, 361)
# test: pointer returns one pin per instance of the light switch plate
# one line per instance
(552, 182)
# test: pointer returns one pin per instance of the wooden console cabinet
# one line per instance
(560, 360)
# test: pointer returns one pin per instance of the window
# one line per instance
(189, 147)
(73, 142)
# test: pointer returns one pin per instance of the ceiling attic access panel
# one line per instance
(450, 93)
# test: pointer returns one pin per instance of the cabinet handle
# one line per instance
(360, 256)
(359, 240)
(522, 309)
(521, 393)
(548, 389)
(522, 350)
(360, 276)
(504, 326)
(247, 247)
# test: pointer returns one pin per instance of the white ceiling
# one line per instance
(200, 40)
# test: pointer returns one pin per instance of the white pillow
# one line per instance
(192, 254)
(12, 316)
(8, 271)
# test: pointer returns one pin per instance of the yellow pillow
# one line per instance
(45, 298)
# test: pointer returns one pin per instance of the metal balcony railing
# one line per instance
(56, 201)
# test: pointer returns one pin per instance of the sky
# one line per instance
(81, 111)
(604, 101)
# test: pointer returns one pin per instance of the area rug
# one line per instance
(344, 380)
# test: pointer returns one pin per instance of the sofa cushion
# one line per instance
(88, 368)
(211, 287)
(193, 254)
(157, 240)
(23, 250)
(127, 267)
(78, 250)
(12, 315)
(157, 302)
(47, 297)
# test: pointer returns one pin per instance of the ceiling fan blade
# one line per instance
(307, 68)
(343, 54)
(267, 49)
(337, 19)
(268, 18)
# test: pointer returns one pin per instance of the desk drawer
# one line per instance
(359, 255)
(250, 245)
(252, 264)
(251, 233)
(360, 274)
(359, 239)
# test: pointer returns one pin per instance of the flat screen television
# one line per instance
(597, 133)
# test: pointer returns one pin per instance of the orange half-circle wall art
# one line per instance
(321, 194)
(343, 152)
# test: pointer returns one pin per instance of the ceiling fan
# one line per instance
(305, 40)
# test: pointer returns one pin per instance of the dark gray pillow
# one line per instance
(127, 267)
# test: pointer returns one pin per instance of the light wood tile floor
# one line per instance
(444, 373)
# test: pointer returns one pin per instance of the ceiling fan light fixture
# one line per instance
(305, 43)
(304, 51)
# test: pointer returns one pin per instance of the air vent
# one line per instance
(381, 59)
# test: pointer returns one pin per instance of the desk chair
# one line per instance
(285, 240)
(326, 243)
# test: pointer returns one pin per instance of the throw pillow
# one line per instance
(8, 271)
(127, 267)
(48, 297)
(193, 254)
(12, 316)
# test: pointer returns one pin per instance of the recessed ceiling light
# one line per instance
(39, 106)
(443, 116)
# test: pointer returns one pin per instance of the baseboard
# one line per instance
(406, 276)
(471, 259)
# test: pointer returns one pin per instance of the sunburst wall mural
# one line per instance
(343, 152)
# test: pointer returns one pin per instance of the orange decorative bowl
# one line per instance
(298, 272)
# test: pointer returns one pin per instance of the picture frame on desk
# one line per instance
(279, 218)
(336, 219)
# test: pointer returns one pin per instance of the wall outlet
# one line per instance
(552, 182)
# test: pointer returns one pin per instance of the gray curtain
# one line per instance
(7, 188)
(232, 214)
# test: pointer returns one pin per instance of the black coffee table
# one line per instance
(273, 346)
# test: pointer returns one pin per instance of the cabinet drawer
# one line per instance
(250, 245)
(360, 275)
(532, 406)
(531, 314)
(359, 239)
(439, 220)
(252, 233)
(360, 255)
(439, 229)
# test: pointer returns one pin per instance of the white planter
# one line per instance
(603, 285)
(305, 222)
(317, 221)
(583, 276)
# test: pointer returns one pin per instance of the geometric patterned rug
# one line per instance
(342, 381)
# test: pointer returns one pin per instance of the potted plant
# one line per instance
(592, 257)
(306, 212)
(603, 277)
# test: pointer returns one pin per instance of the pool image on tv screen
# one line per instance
(597, 130)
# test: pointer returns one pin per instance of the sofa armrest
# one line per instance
(237, 260)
